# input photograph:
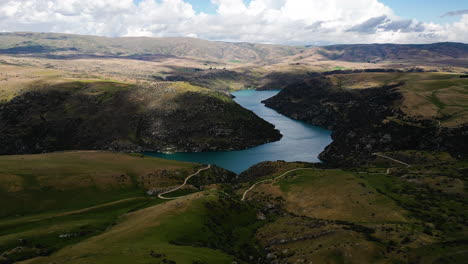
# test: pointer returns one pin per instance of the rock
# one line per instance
(261, 216)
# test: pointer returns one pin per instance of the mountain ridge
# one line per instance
(243, 52)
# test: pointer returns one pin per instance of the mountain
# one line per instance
(69, 45)
(444, 53)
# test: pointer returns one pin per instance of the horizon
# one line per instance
(183, 37)
(282, 22)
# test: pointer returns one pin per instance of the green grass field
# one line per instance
(200, 228)
(70, 180)
(53, 200)
(92, 207)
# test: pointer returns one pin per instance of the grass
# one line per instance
(184, 231)
(436, 101)
(364, 215)
(354, 200)
(47, 233)
(431, 190)
(181, 192)
(360, 215)
(35, 183)
(89, 206)
(15, 80)
(329, 242)
(437, 96)
(339, 68)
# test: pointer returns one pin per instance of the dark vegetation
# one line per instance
(229, 225)
(113, 116)
(434, 229)
(364, 121)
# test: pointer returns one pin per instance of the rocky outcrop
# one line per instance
(130, 120)
(363, 121)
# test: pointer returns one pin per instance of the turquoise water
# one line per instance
(300, 142)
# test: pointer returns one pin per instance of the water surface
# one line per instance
(300, 142)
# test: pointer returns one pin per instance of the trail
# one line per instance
(386, 157)
(161, 195)
(282, 175)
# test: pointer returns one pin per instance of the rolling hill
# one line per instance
(45, 44)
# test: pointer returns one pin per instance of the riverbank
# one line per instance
(397, 114)
(300, 141)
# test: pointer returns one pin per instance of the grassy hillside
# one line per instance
(54, 181)
(56, 200)
(437, 96)
(200, 228)
(382, 213)
(51, 200)
(147, 236)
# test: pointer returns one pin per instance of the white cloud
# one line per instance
(268, 21)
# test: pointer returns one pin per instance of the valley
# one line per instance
(182, 150)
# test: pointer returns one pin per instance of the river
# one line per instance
(300, 141)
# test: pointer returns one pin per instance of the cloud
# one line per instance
(385, 24)
(456, 13)
(266, 21)
(369, 26)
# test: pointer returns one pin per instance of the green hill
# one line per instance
(50, 201)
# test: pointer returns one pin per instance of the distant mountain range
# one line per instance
(54, 44)
(23, 43)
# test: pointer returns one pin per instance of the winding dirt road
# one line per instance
(161, 195)
(282, 175)
(376, 154)
(386, 157)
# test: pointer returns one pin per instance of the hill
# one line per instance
(44, 110)
(384, 212)
(221, 66)
(53, 200)
(70, 46)
(448, 53)
(372, 112)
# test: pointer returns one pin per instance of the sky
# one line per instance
(304, 22)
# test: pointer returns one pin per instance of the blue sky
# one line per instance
(426, 10)
(204, 6)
